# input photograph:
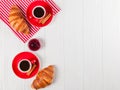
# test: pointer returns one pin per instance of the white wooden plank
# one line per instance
(111, 44)
(73, 44)
(1, 56)
(10, 46)
(54, 51)
(92, 37)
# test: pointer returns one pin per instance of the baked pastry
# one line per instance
(17, 21)
(44, 78)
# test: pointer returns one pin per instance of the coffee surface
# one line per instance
(38, 12)
(24, 65)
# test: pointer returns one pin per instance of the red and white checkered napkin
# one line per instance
(5, 7)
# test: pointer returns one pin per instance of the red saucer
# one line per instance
(24, 55)
(35, 21)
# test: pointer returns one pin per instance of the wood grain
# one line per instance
(84, 46)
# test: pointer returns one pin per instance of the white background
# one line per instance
(83, 41)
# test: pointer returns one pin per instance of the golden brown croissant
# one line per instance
(44, 78)
(17, 21)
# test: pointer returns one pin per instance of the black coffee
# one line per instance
(38, 12)
(24, 65)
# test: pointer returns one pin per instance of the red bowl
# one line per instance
(35, 21)
(25, 55)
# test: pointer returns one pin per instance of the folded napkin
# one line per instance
(4, 13)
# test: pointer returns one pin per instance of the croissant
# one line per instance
(17, 21)
(44, 78)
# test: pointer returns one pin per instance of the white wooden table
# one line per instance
(83, 41)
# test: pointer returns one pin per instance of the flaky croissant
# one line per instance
(17, 20)
(44, 78)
